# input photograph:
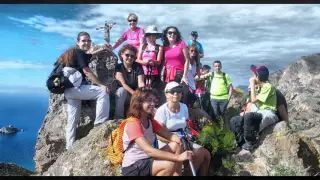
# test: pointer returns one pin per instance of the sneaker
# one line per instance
(249, 145)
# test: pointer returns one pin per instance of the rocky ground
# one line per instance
(11, 169)
(285, 148)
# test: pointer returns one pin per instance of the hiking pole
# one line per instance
(200, 100)
(186, 146)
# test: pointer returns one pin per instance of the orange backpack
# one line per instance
(115, 144)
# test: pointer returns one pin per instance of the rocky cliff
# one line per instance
(11, 169)
(294, 148)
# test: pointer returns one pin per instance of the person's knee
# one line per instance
(203, 152)
(175, 147)
(121, 92)
(248, 118)
(170, 168)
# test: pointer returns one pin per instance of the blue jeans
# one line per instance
(219, 107)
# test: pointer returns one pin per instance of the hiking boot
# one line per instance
(249, 145)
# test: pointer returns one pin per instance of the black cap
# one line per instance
(261, 71)
(194, 33)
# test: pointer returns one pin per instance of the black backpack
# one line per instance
(57, 82)
(224, 78)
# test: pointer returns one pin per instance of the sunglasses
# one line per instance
(130, 55)
(193, 51)
(172, 91)
(132, 20)
(172, 32)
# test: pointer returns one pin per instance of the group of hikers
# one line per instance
(157, 86)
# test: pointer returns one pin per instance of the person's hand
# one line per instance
(252, 80)
(110, 26)
(105, 88)
(175, 138)
(185, 80)
(107, 47)
(145, 62)
(187, 155)
(151, 62)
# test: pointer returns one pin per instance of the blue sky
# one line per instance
(238, 35)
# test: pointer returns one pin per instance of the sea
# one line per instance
(24, 110)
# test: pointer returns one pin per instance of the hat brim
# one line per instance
(253, 68)
(177, 89)
(158, 35)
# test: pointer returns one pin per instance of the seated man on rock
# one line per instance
(261, 112)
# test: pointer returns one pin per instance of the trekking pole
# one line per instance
(186, 146)
(200, 100)
(148, 76)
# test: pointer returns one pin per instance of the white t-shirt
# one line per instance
(192, 72)
(172, 121)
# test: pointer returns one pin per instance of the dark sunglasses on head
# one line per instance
(132, 20)
(130, 55)
(172, 32)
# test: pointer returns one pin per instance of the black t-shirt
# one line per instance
(280, 100)
(80, 61)
(131, 78)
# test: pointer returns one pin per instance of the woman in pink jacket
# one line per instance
(134, 35)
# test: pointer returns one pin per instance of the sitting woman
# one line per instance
(173, 115)
(130, 75)
(134, 35)
(140, 157)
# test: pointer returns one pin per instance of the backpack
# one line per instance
(223, 76)
(224, 79)
(115, 149)
(57, 82)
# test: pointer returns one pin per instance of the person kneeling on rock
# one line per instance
(261, 112)
(140, 157)
(79, 57)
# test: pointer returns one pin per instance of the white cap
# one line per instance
(172, 85)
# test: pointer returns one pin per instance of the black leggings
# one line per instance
(248, 126)
(188, 97)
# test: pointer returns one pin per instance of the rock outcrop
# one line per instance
(11, 169)
(87, 156)
(10, 130)
(300, 82)
(280, 152)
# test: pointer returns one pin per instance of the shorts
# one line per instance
(142, 167)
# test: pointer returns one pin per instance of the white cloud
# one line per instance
(238, 32)
(18, 64)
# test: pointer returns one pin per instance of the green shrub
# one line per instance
(217, 139)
